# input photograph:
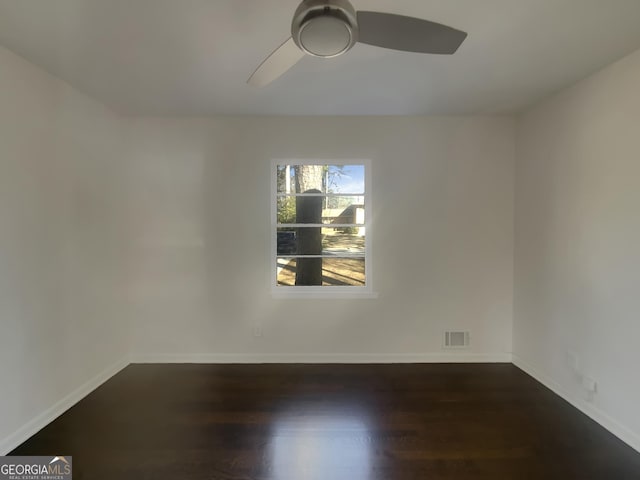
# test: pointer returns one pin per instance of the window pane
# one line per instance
(321, 241)
(320, 178)
(326, 210)
(321, 271)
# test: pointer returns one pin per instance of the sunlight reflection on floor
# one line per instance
(320, 446)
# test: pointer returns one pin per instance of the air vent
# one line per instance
(456, 339)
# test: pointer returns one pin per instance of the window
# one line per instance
(320, 218)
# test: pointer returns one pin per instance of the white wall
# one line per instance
(62, 330)
(442, 239)
(577, 246)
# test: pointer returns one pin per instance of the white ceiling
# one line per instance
(193, 57)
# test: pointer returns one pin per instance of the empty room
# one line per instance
(319, 239)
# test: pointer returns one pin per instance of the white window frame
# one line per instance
(318, 291)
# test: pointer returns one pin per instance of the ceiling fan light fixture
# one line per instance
(328, 28)
(325, 28)
(325, 36)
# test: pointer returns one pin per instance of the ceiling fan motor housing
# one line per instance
(325, 28)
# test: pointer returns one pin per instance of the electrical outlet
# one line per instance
(590, 388)
(257, 330)
(590, 385)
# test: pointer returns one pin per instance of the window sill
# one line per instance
(302, 293)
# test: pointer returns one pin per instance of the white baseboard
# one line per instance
(618, 429)
(322, 358)
(50, 414)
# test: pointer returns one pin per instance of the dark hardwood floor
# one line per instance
(330, 422)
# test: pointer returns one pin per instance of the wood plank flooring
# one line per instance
(330, 422)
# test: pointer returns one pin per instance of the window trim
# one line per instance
(317, 291)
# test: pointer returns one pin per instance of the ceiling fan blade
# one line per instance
(282, 59)
(408, 33)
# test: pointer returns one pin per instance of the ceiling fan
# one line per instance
(328, 28)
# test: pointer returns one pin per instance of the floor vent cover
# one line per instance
(456, 339)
